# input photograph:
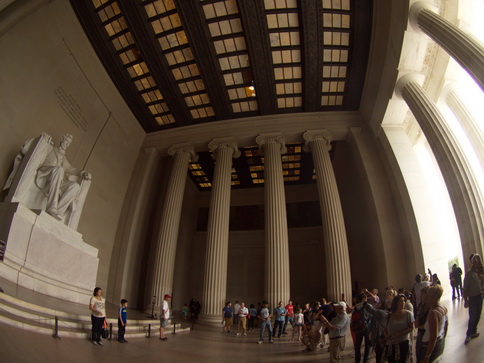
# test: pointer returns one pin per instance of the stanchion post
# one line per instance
(110, 331)
(56, 328)
(149, 331)
(171, 308)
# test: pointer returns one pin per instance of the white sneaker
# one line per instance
(245, 334)
(238, 333)
(260, 342)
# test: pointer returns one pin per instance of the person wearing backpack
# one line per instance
(359, 325)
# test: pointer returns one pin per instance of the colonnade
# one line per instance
(277, 268)
(453, 163)
(455, 168)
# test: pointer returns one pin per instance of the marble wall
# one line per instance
(52, 81)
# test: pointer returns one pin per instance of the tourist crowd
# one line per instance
(397, 325)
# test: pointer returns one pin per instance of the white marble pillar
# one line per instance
(463, 47)
(338, 271)
(164, 262)
(215, 276)
(277, 279)
(467, 121)
(461, 184)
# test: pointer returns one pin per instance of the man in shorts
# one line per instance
(227, 315)
(164, 317)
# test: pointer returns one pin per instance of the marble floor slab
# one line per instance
(206, 344)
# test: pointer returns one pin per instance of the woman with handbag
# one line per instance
(97, 305)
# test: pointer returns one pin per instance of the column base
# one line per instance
(210, 320)
(152, 312)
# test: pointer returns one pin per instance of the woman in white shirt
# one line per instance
(398, 330)
(97, 305)
(298, 322)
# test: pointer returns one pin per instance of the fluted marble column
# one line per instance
(463, 47)
(460, 181)
(467, 121)
(164, 262)
(338, 272)
(215, 277)
(277, 282)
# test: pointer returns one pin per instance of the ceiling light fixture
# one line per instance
(250, 90)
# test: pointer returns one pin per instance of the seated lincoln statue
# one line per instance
(42, 178)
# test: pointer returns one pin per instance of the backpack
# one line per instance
(357, 323)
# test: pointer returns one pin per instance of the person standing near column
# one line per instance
(164, 317)
(289, 316)
(264, 315)
(456, 281)
(227, 316)
(242, 325)
(337, 331)
(473, 287)
(280, 314)
(236, 313)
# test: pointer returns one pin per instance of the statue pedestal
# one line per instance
(44, 255)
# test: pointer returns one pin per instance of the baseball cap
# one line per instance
(341, 303)
(167, 296)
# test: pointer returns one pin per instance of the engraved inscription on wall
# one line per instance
(72, 109)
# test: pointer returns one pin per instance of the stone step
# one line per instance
(35, 318)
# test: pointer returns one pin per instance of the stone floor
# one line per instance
(206, 344)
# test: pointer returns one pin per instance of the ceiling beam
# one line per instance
(311, 23)
(106, 52)
(202, 47)
(254, 22)
(142, 31)
(360, 40)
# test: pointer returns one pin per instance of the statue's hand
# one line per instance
(47, 137)
(86, 175)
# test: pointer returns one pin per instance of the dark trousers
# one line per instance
(457, 288)
(436, 353)
(475, 309)
(290, 320)
(263, 326)
(379, 350)
(121, 330)
(251, 321)
(398, 354)
(97, 326)
(358, 340)
(418, 342)
(279, 324)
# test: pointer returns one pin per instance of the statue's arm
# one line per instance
(70, 170)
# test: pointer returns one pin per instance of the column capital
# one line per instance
(228, 142)
(312, 135)
(185, 148)
(450, 89)
(275, 137)
(405, 79)
(415, 9)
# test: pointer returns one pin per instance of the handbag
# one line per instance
(105, 331)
